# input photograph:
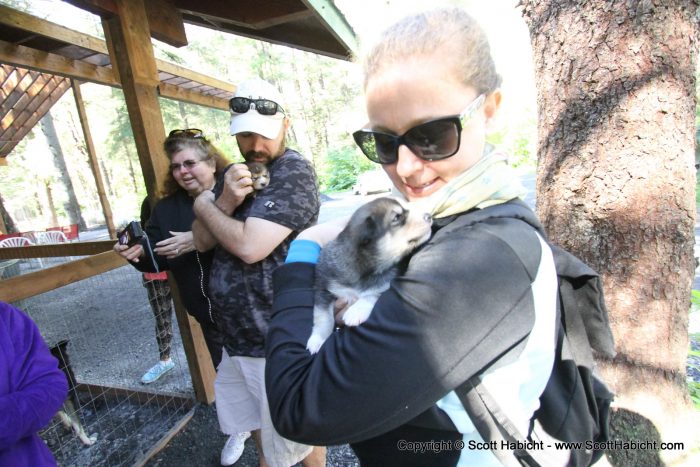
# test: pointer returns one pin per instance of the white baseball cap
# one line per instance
(252, 121)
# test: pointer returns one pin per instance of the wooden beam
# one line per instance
(36, 108)
(19, 55)
(27, 22)
(334, 21)
(58, 65)
(277, 20)
(128, 34)
(142, 396)
(20, 80)
(165, 22)
(92, 159)
(143, 459)
(28, 285)
(102, 8)
(194, 76)
(184, 95)
(56, 250)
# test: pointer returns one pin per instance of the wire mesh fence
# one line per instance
(103, 331)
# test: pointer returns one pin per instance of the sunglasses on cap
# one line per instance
(187, 133)
(431, 141)
(241, 105)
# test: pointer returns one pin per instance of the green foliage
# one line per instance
(343, 167)
(694, 355)
(518, 142)
(697, 186)
(695, 298)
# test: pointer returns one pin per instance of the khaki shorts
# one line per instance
(241, 405)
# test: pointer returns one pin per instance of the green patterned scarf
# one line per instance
(489, 182)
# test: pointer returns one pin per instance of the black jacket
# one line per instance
(191, 270)
(463, 303)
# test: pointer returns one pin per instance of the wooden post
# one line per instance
(92, 159)
(131, 53)
(198, 358)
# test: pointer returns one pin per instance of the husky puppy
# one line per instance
(361, 262)
(68, 414)
(260, 175)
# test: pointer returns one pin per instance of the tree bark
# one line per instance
(616, 178)
(72, 206)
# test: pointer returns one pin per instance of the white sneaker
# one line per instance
(233, 448)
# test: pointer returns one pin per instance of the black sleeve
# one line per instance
(463, 302)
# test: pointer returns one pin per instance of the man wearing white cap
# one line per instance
(251, 236)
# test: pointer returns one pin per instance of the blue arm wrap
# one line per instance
(303, 251)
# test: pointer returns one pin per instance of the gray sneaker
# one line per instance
(234, 448)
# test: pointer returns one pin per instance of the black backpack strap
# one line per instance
(492, 423)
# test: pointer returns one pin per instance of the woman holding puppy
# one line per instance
(476, 299)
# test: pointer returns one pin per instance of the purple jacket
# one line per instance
(32, 389)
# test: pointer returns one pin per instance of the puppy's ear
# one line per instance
(369, 231)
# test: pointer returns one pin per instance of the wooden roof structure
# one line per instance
(38, 58)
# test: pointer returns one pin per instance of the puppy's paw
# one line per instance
(88, 440)
(313, 345)
(357, 313)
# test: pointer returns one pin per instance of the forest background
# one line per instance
(324, 101)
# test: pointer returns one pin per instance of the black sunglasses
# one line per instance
(241, 105)
(187, 133)
(431, 141)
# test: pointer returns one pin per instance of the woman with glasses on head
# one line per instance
(194, 166)
(477, 299)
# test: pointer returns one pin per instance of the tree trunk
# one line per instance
(615, 178)
(108, 178)
(72, 207)
(183, 113)
(6, 222)
(52, 206)
(132, 172)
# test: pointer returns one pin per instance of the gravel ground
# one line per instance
(200, 443)
(110, 329)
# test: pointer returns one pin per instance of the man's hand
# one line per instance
(238, 183)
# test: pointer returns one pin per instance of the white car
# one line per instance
(374, 181)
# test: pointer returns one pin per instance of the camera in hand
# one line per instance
(131, 234)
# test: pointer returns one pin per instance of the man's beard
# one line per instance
(264, 157)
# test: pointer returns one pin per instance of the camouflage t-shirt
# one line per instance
(241, 293)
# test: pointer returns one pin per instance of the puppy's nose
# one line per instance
(428, 218)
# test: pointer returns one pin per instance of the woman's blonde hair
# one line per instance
(206, 151)
(451, 32)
